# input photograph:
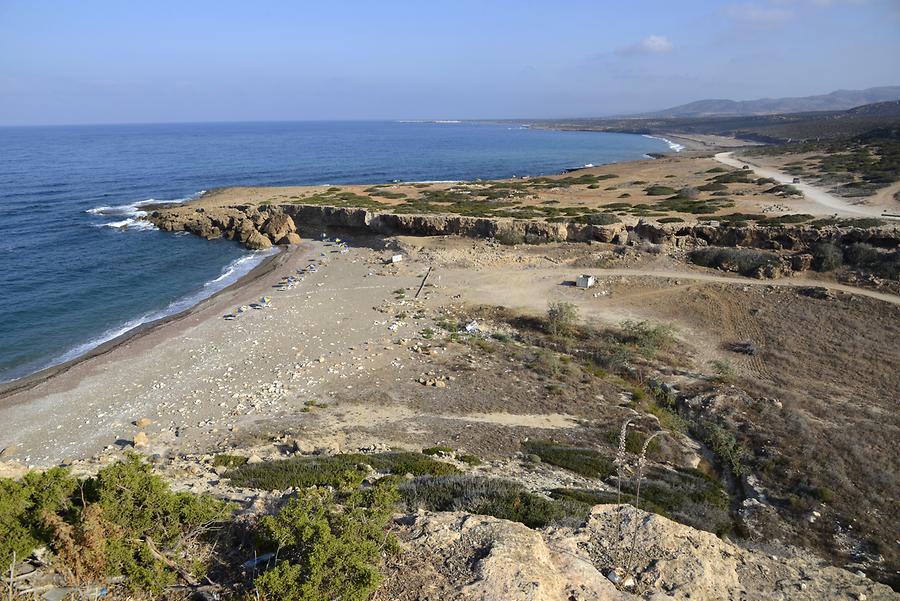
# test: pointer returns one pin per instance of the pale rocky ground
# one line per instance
(670, 561)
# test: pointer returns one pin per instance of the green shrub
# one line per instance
(598, 219)
(225, 460)
(23, 505)
(826, 257)
(472, 460)
(137, 504)
(438, 450)
(118, 523)
(741, 260)
(648, 338)
(338, 471)
(510, 238)
(660, 191)
(634, 442)
(684, 495)
(723, 444)
(327, 551)
(583, 461)
(490, 496)
(561, 318)
(724, 371)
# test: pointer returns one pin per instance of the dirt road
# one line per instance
(834, 204)
(535, 286)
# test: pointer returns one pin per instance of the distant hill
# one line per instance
(840, 100)
(779, 127)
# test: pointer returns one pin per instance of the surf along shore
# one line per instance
(443, 347)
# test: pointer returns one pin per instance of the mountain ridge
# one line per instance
(834, 101)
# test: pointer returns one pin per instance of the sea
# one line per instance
(77, 268)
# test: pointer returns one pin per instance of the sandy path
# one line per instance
(888, 198)
(835, 204)
(533, 288)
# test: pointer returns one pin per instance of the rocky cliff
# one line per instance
(261, 227)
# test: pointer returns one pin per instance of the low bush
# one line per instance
(438, 450)
(723, 444)
(124, 521)
(724, 371)
(826, 257)
(225, 460)
(562, 317)
(338, 471)
(741, 260)
(490, 496)
(23, 505)
(684, 495)
(868, 258)
(583, 461)
(647, 338)
(660, 191)
(328, 547)
(598, 219)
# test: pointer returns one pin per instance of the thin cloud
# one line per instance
(754, 14)
(652, 44)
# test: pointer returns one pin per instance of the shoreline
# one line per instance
(25, 383)
(30, 380)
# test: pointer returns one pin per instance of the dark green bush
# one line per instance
(489, 496)
(23, 505)
(117, 523)
(339, 471)
(741, 260)
(826, 257)
(660, 191)
(328, 547)
(586, 462)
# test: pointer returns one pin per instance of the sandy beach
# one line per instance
(326, 349)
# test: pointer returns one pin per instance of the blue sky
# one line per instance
(105, 61)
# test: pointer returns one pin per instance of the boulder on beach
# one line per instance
(278, 226)
(291, 238)
(257, 241)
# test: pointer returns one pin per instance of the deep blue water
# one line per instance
(69, 279)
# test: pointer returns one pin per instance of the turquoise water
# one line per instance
(71, 277)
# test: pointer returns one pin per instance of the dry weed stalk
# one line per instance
(642, 459)
(621, 463)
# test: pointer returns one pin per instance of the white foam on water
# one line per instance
(134, 209)
(672, 145)
(130, 224)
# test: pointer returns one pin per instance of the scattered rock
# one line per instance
(140, 440)
(143, 422)
(8, 451)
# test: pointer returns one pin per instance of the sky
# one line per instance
(108, 61)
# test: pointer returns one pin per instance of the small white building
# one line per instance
(584, 281)
(396, 259)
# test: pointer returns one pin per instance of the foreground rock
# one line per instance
(461, 556)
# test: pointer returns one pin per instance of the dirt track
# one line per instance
(812, 193)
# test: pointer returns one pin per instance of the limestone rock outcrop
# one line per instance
(278, 225)
(462, 556)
